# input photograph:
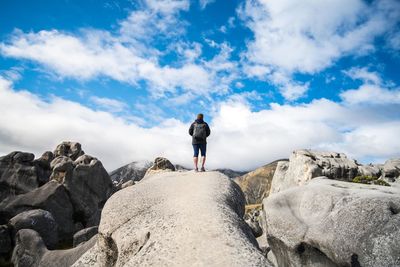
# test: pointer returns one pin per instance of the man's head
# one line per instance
(200, 116)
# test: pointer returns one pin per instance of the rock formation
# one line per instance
(56, 195)
(175, 219)
(134, 171)
(256, 184)
(160, 164)
(334, 223)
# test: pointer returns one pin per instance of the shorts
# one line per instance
(202, 148)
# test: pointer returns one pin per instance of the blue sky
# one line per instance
(126, 78)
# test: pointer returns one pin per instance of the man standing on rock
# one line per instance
(199, 130)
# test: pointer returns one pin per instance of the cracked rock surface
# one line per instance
(175, 219)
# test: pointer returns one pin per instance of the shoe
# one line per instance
(196, 170)
(202, 169)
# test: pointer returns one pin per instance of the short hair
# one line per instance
(200, 116)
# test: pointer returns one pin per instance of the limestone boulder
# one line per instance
(39, 220)
(175, 219)
(31, 251)
(84, 235)
(69, 149)
(334, 223)
(304, 165)
(51, 197)
(160, 164)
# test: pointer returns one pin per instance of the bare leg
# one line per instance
(203, 162)
(195, 161)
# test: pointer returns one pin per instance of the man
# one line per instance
(199, 131)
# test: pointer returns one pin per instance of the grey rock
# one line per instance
(5, 239)
(175, 219)
(231, 173)
(126, 184)
(39, 220)
(84, 235)
(391, 169)
(160, 164)
(253, 220)
(305, 164)
(69, 149)
(30, 251)
(52, 197)
(334, 223)
(369, 170)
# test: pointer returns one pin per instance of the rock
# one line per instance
(126, 184)
(391, 169)
(5, 239)
(134, 171)
(369, 170)
(257, 184)
(231, 173)
(39, 220)
(304, 165)
(160, 164)
(30, 251)
(71, 150)
(44, 169)
(334, 223)
(253, 220)
(85, 235)
(52, 197)
(18, 174)
(175, 219)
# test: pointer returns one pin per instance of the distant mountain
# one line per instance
(231, 173)
(257, 184)
(134, 171)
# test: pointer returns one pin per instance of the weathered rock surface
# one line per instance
(175, 219)
(304, 165)
(5, 239)
(134, 171)
(19, 174)
(391, 170)
(87, 183)
(231, 173)
(30, 251)
(334, 223)
(85, 235)
(256, 185)
(160, 164)
(39, 220)
(72, 150)
(52, 197)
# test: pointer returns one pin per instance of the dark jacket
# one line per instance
(208, 131)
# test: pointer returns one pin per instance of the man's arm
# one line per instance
(208, 131)
(191, 129)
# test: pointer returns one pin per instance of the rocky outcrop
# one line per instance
(256, 184)
(334, 223)
(52, 197)
(39, 220)
(175, 219)
(231, 173)
(5, 240)
(30, 251)
(88, 184)
(134, 171)
(20, 173)
(84, 235)
(72, 150)
(391, 170)
(304, 165)
(160, 164)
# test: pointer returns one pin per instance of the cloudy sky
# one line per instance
(126, 78)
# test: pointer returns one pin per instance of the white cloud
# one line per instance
(108, 104)
(205, 3)
(290, 37)
(241, 138)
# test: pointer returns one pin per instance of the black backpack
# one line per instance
(199, 131)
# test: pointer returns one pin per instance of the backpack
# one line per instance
(199, 131)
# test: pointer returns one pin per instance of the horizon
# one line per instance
(126, 78)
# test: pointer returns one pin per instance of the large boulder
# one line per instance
(5, 240)
(84, 235)
(175, 219)
(257, 184)
(160, 164)
(88, 185)
(52, 197)
(305, 164)
(334, 223)
(30, 251)
(72, 150)
(39, 220)
(391, 169)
